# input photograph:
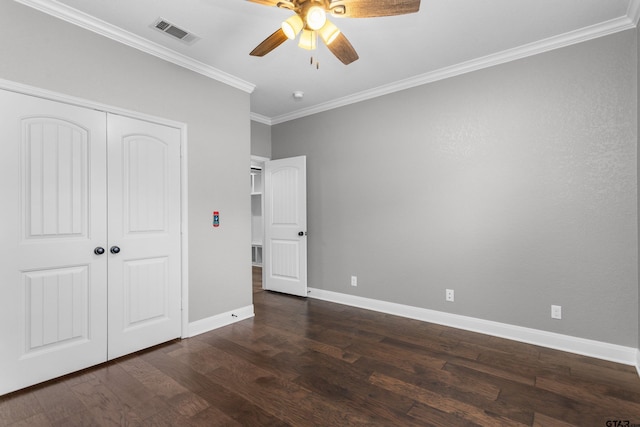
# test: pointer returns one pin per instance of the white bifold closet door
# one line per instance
(144, 223)
(76, 183)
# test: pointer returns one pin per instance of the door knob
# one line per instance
(114, 249)
(99, 250)
(301, 233)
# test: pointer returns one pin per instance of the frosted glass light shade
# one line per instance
(307, 40)
(329, 32)
(316, 17)
(292, 26)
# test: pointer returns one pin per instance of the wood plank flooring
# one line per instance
(312, 363)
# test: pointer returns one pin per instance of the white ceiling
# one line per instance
(445, 38)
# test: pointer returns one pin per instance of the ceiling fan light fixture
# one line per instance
(292, 26)
(308, 40)
(329, 32)
(316, 17)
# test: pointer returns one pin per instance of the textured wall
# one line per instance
(42, 51)
(515, 186)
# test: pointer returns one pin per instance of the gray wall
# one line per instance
(515, 186)
(260, 139)
(42, 51)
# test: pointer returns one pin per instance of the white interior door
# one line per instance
(285, 219)
(53, 286)
(144, 225)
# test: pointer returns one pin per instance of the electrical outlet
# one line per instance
(449, 295)
(354, 280)
(556, 312)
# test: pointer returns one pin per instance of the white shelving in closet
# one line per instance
(257, 226)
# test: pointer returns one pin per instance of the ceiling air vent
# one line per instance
(180, 34)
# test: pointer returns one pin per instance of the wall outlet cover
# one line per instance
(449, 296)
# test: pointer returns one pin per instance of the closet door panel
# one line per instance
(52, 284)
(144, 223)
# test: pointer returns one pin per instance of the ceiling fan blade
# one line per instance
(373, 8)
(342, 49)
(270, 43)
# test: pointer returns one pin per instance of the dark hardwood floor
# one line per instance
(312, 363)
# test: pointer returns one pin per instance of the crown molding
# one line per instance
(260, 119)
(574, 37)
(88, 22)
(633, 12)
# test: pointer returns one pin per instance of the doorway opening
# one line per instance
(279, 223)
(257, 220)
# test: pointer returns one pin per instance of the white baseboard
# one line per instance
(210, 323)
(600, 350)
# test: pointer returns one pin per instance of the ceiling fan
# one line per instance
(310, 21)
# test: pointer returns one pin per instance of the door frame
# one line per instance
(184, 229)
